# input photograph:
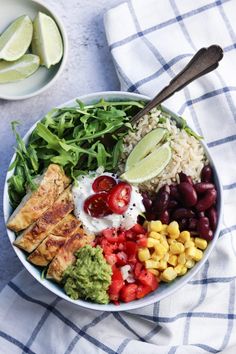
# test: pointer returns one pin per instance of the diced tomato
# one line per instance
(137, 269)
(142, 242)
(117, 283)
(131, 250)
(148, 279)
(103, 184)
(138, 229)
(110, 235)
(111, 259)
(119, 197)
(108, 248)
(121, 258)
(128, 292)
(130, 235)
(142, 291)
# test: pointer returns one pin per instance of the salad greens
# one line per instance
(73, 138)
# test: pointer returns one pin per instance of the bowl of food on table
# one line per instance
(111, 215)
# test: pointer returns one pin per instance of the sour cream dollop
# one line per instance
(83, 189)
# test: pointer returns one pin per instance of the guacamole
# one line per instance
(89, 278)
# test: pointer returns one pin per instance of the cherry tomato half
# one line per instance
(103, 184)
(96, 205)
(119, 198)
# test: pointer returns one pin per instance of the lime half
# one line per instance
(16, 39)
(151, 166)
(47, 41)
(145, 146)
(19, 69)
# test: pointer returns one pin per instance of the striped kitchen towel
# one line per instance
(150, 41)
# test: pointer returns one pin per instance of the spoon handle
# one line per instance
(203, 62)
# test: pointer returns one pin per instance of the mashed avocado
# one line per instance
(89, 278)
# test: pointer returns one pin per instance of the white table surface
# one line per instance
(89, 69)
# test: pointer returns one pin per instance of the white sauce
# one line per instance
(83, 190)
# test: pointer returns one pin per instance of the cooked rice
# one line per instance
(187, 153)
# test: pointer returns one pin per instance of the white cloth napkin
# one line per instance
(150, 42)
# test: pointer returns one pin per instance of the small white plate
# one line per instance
(43, 78)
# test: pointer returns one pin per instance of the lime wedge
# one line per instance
(16, 39)
(47, 42)
(149, 167)
(19, 69)
(145, 146)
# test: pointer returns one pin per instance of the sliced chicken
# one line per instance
(50, 185)
(36, 233)
(49, 247)
(65, 256)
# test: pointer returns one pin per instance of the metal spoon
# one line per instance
(203, 62)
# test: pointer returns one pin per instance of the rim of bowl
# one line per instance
(61, 63)
(155, 296)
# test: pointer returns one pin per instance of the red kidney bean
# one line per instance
(183, 224)
(147, 202)
(184, 178)
(206, 174)
(151, 216)
(202, 187)
(207, 200)
(182, 213)
(213, 217)
(164, 217)
(188, 194)
(172, 204)
(161, 202)
(203, 226)
(192, 224)
(201, 214)
(174, 193)
(165, 188)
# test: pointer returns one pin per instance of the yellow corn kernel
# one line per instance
(143, 254)
(164, 228)
(177, 248)
(189, 244)
(162, 265)
(155, 226)
(190, 263)
(169, 274)
(154, 271)
(173, 228)
(151, 264)
(182, 258)
(151, 242)
(171, 241)
(160, 250)
(164, 242)
(166, 257)
(200, 243)
(184, 236)
(194, 253)
(174, 236)
(172, 260)
(179, 268)
(183, 270)
(154, 235)
(156, 257)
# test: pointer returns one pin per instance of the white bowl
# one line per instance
(164, 290)
(43, 78)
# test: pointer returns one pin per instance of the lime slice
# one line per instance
(151, 166)
(145, 146)
(16, 39)
(47, 42)
(19, 69)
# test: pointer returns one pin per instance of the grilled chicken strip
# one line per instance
(36, 233)
(48, 249)
(65, 256)
(50, 185)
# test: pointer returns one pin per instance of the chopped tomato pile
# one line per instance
(110, 197)
(120, 248)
